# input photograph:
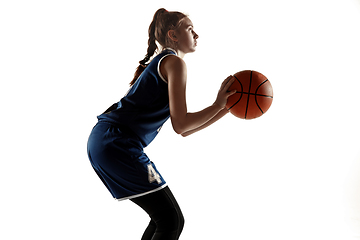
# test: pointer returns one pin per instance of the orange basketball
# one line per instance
(253, 97)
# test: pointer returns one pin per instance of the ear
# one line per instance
(172, 35)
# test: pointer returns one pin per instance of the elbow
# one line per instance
(185, 134)
(179, 129)
(180, 126)
(182, 132)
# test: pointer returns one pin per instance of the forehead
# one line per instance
(186, 22)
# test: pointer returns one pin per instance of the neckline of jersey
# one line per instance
(171, 50)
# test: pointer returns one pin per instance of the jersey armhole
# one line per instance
(158, 67)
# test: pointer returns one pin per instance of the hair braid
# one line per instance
(162, 22)
(151, 44)
(152, 47)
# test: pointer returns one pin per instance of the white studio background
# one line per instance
(294, 173)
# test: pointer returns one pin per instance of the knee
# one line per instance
(169, 221)
(181, 223)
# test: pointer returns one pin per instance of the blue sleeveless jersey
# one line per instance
(145, 108)
(115, 145)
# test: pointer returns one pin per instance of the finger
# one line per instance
(229, 83)
(226, 81)
(231, 93)
(229, 78)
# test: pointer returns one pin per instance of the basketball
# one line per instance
(253, 97)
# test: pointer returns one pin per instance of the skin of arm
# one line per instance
(217, 117)
(174, 70)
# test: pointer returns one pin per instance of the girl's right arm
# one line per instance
(174, 70)
(217, 117)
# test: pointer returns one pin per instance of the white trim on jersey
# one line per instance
(172, 50)
(158, 67)
(142, 194)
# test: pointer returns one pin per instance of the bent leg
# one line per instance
(149, 231)
(165, 214)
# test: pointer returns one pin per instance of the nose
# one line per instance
(196, 36)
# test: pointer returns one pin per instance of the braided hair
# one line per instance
(162, 22)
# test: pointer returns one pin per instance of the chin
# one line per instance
(192, 49)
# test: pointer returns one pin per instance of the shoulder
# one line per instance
(171, 66)
(173, 61)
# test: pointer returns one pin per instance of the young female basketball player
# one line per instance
(115, 145)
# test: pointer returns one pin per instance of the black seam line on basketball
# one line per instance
(239, 92)
(247, 103)
(255, 95)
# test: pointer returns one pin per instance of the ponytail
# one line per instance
(162, 22)
(152, 47)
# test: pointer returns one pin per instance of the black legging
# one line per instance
(167, 220)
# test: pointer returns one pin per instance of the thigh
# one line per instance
(165, 212)
(157, 201)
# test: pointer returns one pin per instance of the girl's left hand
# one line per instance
(223, 93)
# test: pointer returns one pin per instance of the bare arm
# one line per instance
(211, 121)
(174, 70)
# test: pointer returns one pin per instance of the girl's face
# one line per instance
(186, 37)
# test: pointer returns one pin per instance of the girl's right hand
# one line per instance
(223, 93)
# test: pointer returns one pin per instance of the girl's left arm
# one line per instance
(218, 116)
